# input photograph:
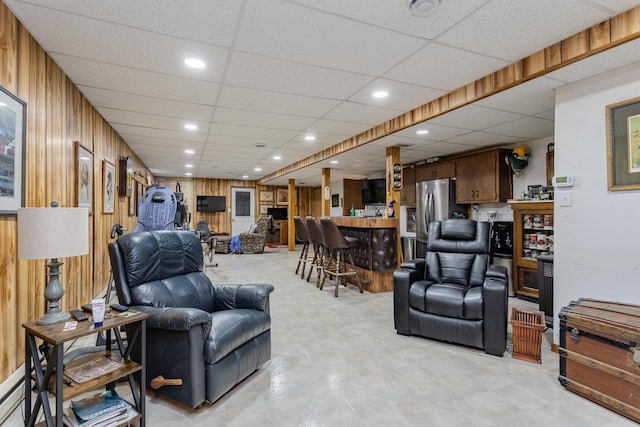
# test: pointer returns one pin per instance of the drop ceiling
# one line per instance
(277, 71)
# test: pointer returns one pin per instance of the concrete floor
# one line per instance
(339, 362)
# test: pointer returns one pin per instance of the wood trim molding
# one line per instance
(605, 35)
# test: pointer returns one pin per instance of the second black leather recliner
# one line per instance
(454, 294)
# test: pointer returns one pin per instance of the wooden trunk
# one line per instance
(599, 356)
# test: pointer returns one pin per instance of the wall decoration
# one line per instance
(125, 164)
(282, 196)
(411, 220)
(108, 186)
(12, 143)
(623, 145)
(335, 200)
(84, 176)
(266, 196)
(132, 201)
(139, 193)
(264, 208)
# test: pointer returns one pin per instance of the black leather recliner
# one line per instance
(209, 336)
(454, 294)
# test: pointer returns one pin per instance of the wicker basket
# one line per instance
(527, 334)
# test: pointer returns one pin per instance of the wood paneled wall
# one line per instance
(57, 114)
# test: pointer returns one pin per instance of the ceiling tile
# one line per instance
(144, 104)
(251, 132)
(473, 117)
(528, 127)
(436, 132)
(150, 120)
(273, 102)
(528, 98)
(183, 137)
(402, 96)
(258, 119)
(511, 29)
(337, 127)
(203, 20)
(282, 30)
(278, 75)
(395, 15)
(361, 113)
(96, 74)
(446, 148)
(484, 139)
(443, 67)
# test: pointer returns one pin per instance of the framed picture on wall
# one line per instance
(335, 200)
(84, 176)
(132, 202)
(623, 145)
(264, 208)
(108, 186)
(139, 193)
(282, 196)
(266, 196)
(12, 142)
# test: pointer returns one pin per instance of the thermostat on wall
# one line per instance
(563, 181)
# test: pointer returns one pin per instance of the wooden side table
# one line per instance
(50, 378)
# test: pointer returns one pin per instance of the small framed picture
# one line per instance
(282, 196)
(109, 186)
(84, 176)
(264, 209)
(335, 200)
(266, 196)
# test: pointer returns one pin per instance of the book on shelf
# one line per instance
(98, 410)
(92, 368)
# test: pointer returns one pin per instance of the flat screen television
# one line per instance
(211, 203)
(278, 214)
(373, 191)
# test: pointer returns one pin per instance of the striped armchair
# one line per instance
(253, 242)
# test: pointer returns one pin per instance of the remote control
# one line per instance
(79, 315)
(119, 307)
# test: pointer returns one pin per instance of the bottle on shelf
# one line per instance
(352, 212)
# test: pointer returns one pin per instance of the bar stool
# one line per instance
(302, 235)
(315, 235)
(338, 247)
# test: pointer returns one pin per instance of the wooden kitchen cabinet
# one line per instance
(532, 236)
(483, 178)
(437, 170)
(408, 192)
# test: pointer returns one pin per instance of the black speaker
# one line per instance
(397, 176)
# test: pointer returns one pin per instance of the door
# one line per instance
(243, 211)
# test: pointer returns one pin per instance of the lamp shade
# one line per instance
(45, 233)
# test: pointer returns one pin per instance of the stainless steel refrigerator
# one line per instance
(435, 201)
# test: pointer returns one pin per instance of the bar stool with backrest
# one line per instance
(338, 247)
(315, 235)
(302, 235)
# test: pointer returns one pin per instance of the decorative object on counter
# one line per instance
(54, 240)
(391, 213)
(518, 160)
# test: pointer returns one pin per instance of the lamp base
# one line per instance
(52, 317)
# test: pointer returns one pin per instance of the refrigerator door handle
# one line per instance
(430, 213)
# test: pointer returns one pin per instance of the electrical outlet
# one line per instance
(564, 198)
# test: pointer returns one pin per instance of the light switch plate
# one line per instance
(564, 198)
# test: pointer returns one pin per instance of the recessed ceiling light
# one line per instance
(188, 174)
(190, 126)
(257, 169)
(189, 151)
(188, 166)
(309, 138)
(423, 7)
(260, 145)
(194, 63)
(245, 176)
(380, 94)
(422, 132)
(277, 157)
(335, 162)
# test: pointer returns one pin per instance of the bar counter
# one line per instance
(376, 256)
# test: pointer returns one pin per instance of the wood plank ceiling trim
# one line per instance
(605, 35)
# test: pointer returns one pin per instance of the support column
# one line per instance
(326, 191)
(291, 227)
(393, 158)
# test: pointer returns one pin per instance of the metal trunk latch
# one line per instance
(575, 336)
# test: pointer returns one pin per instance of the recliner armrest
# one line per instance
(497, 271)
(414, 264)
(176, 318)
(250, 296)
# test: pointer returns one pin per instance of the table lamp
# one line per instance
(52, 233)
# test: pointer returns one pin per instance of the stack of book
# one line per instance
(101, 410)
